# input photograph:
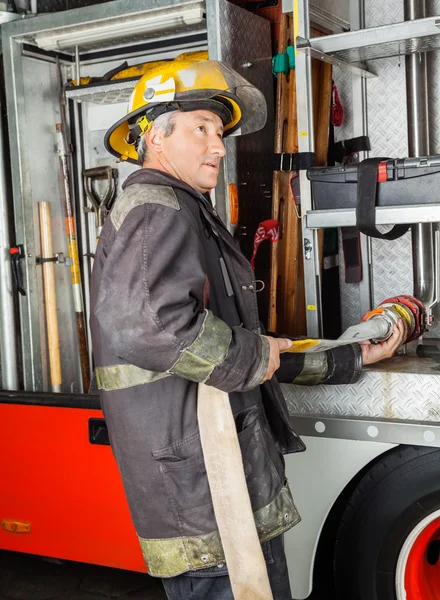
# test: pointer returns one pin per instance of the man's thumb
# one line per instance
(284, 344)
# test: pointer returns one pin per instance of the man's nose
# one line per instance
(218, 147)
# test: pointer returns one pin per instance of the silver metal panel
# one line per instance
(8, 292)
(368, 430)
(316, 478)
(330, 15)
(433, 7)
(433, 58)
(386, 101)
(401, 388)
(242, 40)
(24, 220)
(306, 143)
(385, 215)
(353, 94)
(343, 81)
(392, 268)
(336, 8)
(41, 115)
(392, 271)
(32, 118)
(322, 19)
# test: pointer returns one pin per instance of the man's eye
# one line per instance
(201, 128)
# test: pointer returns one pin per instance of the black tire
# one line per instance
(400, 490)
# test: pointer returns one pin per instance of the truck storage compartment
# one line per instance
(62, 494)
(400, 181)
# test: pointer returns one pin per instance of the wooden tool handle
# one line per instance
(50, 296)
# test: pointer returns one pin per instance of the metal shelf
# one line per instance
(111, 92)
(385, 215)
(408, 37)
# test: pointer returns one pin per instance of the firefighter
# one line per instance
(174, 304)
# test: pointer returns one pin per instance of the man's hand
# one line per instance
(372, 353)
(277, 345)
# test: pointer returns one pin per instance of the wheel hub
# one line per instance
(418, 567)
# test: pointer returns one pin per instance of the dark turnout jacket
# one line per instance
(173, 304)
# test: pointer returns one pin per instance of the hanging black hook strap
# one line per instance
(366, 202)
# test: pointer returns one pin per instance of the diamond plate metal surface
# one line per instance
(350, 299)
(109, 93)
(421, 44)
(387, 128)
(402, 388)
(343, 81)
(392, 268)
(242, 40)
(433, 8)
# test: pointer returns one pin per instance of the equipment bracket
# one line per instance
(303, 45)
(58, 259)
(283, 62)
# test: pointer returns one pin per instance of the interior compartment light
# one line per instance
(114, 29)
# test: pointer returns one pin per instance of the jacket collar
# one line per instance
(156, 177)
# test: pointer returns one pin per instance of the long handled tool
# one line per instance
(286, 253)
(50, 296)
(101, 203)
(72, 246)
(230, 496)
(287, 310)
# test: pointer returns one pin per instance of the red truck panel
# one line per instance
(68, 489)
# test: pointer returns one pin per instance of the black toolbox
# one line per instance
(400, 181)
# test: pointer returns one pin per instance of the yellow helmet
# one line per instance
(187, 84)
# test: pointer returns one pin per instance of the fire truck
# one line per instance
(368, 486)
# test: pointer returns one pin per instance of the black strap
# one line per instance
(340, 150)
(366, 202)
(300, 161)
(351, 247)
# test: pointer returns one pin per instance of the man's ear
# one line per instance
(153, 139)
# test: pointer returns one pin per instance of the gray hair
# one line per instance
(164, 123)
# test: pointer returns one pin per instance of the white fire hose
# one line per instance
(230, 496)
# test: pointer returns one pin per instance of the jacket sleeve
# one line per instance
(340, 365)
(150, 305)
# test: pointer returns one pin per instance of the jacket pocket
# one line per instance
(184, 476)
(186, 483)
(262, 463)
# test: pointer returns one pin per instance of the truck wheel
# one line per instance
(388, 542)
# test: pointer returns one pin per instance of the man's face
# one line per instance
(192, 153)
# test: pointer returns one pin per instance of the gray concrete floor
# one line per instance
(25, 577)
